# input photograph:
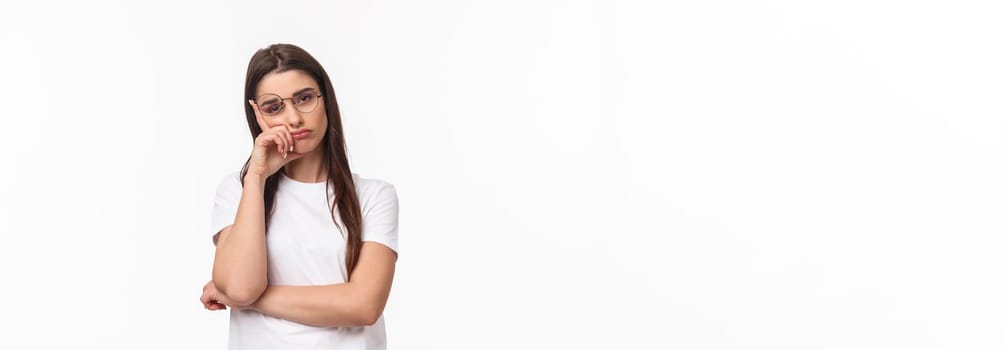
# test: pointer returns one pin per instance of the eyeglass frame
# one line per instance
(282, 101)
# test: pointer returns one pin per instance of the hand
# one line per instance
(213, 300)
(273, 147)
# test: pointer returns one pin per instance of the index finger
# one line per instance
(258, 116)
(289, 135)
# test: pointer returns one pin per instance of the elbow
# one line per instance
(369, 316)
(241, 294)
(369, 320)
(243, 297)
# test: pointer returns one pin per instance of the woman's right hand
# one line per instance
(273, 147)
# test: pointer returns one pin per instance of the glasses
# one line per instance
(305, 102)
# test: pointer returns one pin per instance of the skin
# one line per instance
(239, 269)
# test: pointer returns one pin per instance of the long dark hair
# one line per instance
(279, 58)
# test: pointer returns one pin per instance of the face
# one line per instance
(282, 99)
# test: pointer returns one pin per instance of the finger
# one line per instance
(280, 142)
(270, 139)
(275, 140)
(207, 304)
(287, 139)
(264, 140)
(289, 134)
(258, 116)
(282, 131)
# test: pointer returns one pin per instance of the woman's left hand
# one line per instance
(212, 299)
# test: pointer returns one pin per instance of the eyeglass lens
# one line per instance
(272, 104)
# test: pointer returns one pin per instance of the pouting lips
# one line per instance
(301, 135)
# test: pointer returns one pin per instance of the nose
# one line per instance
(293, 117)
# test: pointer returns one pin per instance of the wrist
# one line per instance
(254, 179)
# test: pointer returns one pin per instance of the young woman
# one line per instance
(305, 248)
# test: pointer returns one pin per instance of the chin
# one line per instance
(308, 149)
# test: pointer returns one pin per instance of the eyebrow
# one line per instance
(294, 94)
(303, 90)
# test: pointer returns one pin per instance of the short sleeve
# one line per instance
(228, 196)
(380, 216)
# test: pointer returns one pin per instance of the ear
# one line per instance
(258, 116)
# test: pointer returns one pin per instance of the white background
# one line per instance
(571, 174)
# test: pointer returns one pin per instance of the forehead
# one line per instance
(285, 83)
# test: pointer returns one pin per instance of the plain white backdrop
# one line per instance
(571, 174)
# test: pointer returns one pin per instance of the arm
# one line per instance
(356, 303)
(240, 266)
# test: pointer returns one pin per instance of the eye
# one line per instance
(271, 108)
(305, 98)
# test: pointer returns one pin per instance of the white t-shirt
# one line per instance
(306, 248)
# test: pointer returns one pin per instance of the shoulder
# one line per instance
(230, 182)
(374, 191)
(231, 178)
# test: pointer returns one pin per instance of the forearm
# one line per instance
(240, 266)
(333, 305)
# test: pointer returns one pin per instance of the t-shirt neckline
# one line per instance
(296, 183)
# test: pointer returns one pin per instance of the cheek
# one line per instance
(320, 126)
(322, 121)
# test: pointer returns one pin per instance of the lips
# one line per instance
(300, 134)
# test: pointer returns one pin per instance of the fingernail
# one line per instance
(291, 148)
(284, 155)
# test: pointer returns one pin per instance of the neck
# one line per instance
(309, 168)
